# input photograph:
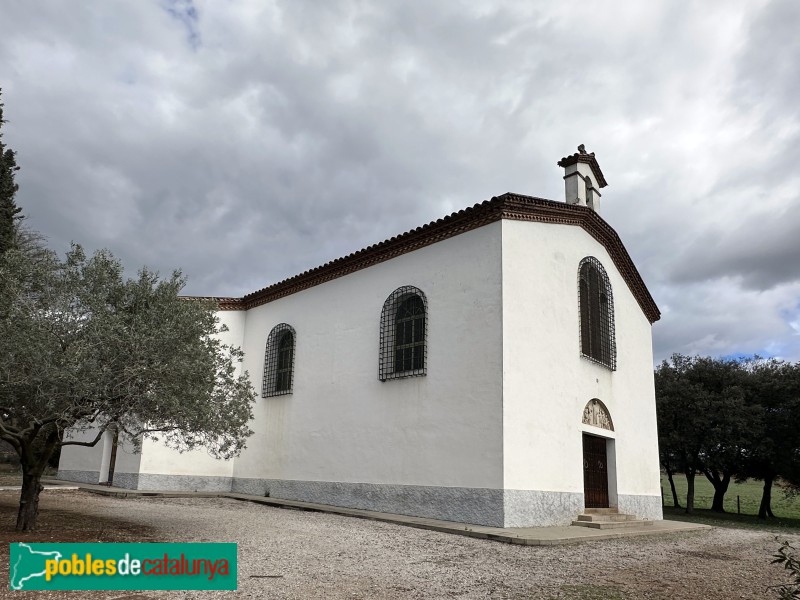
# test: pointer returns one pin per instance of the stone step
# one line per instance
(601, 511)
(611, 524)
(608, 517)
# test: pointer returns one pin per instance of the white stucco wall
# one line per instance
(81, 458)
(90, 459)
(500, 406)
(546, 381)
(341, 423)
(155, 457)
(159, 459)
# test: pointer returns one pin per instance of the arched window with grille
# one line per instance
(597, 313)
(279, 361)
(403, 341)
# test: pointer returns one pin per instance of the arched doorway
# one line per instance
(597, 468)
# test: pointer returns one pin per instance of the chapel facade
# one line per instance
(493, 367)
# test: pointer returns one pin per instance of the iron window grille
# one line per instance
(279, 362)
(404, 334)
(598, 342)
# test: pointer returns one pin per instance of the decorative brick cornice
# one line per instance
(222, 303)
(508, 206)
(547, 211)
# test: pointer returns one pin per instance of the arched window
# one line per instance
(597, 313)
(404, 324)
(279, 361)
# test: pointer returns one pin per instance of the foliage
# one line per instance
(773, 391)
(82, 348)
(704, 422)
(729, 419)
(788, 557)
(30, 242)
(748, 493)
(9, 211)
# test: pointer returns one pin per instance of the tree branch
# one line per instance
(5, 431)
(87, 444)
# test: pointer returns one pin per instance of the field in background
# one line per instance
(749, 494)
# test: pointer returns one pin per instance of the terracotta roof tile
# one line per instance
(508, 206)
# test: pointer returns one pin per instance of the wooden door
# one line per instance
(595, 472)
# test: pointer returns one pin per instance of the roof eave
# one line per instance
(508, 206)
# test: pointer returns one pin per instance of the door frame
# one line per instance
(611, 462)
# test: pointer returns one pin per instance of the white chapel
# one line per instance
(493, 367)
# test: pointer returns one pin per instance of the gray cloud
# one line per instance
(246, 142)
(763, 251)
(768, 74)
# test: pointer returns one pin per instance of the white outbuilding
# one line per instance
(492, 367)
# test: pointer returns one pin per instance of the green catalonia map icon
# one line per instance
(27, 564)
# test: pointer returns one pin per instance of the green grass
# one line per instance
(786, 511)
(749, 493)
(707, 517)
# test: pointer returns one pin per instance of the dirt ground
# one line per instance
(292, 554)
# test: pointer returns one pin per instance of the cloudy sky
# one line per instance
(246, 141)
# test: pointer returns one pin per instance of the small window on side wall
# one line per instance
(403, 341)
(597, 313)
(279, 361)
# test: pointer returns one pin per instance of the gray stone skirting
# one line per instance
(183, 483)
(247, 485)
(79, 476)
(531, 508)
(480, 506)
(154, 481)
(644, 507)
(128, 481)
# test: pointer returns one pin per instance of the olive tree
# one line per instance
(83, 348)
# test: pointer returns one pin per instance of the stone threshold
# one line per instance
(526, 536)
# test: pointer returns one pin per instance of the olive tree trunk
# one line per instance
(29, 500)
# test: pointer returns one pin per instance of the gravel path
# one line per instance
(319, 555)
